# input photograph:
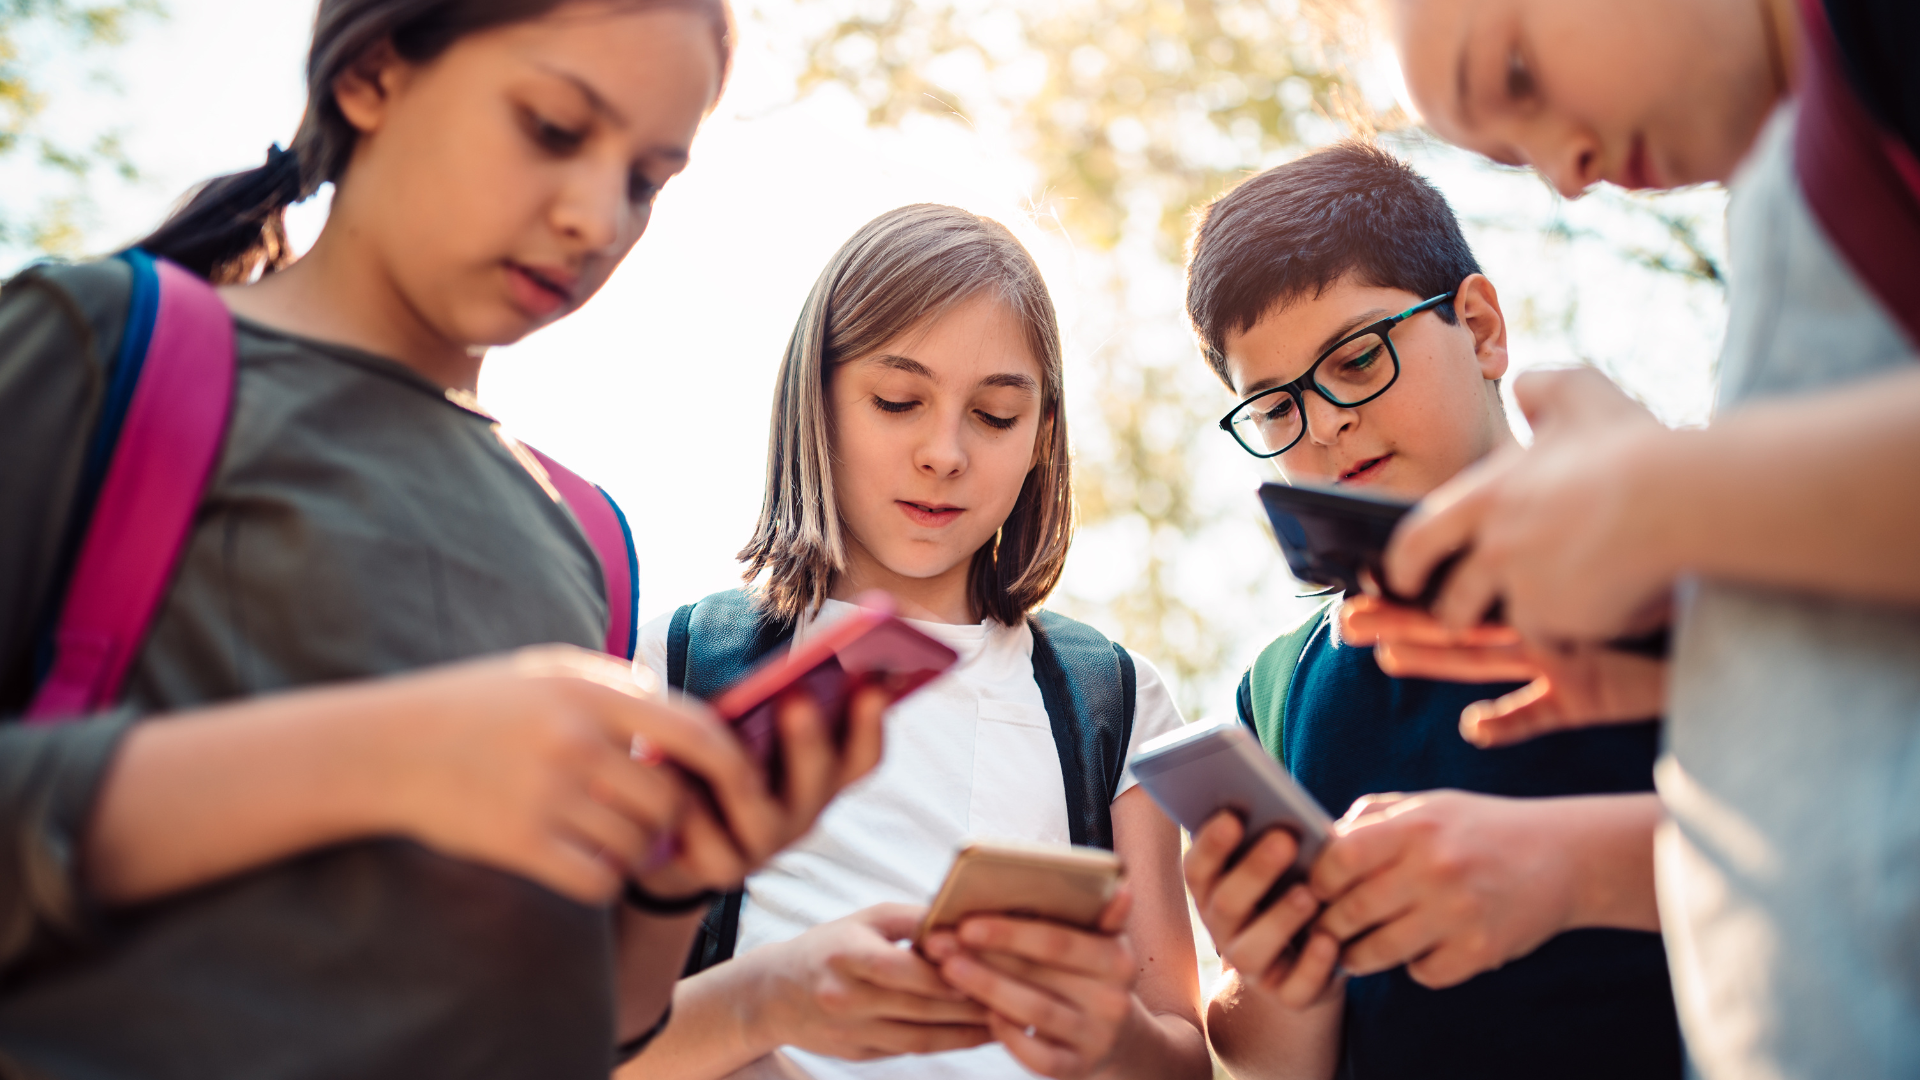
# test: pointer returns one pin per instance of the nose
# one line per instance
(592, 208)
(939, 453)
(1326, 421)
(1569, 158)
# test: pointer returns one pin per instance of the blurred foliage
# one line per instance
(33, 35)
(1112, 100)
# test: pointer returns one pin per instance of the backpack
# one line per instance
(1086, 682)
(163, 419)
(1264, 688)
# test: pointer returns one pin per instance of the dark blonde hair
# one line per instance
(902, 269)
(234, 226)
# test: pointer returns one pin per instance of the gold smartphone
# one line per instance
(1072, 885)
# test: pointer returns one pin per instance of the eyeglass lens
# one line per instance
(1350, 375)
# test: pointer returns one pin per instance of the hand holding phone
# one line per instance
(1339, 539)
(1070, 885)
(869, 647)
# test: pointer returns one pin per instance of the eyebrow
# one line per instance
(678, 155)
(1011, 379)
(1345, 328)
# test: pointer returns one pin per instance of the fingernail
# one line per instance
(643, 751)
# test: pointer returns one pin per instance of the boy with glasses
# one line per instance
(1504, 926)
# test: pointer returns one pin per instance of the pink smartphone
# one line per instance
(870, 647)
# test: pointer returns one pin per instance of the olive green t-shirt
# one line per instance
(360, 522)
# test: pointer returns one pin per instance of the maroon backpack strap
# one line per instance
(606, 529)
(1861, 181)
(168, 444)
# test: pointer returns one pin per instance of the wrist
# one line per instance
(1607, 845)
(1665, 501)
(759, 995)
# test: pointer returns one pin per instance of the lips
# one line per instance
(1365, 470)
(932, 515)
(540, 291)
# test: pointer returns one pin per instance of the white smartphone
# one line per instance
(1202, 769)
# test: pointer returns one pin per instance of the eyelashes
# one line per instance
(563, 142)
(998, 423)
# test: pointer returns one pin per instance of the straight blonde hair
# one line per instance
(901, 269)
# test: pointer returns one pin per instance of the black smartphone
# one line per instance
(1338, 539)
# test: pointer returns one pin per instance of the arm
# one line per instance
(1583, 535)
(1072, 1003)
(843, 988)
(1452, 884)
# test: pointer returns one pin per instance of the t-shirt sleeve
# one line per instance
(59, 331)
(650, 651)
(1154, 713)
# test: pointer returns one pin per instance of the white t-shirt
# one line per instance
(969, 756)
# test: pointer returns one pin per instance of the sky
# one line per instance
(660, 387)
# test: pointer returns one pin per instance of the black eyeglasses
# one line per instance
(1357, 369)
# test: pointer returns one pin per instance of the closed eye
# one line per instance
(552, 137)
(1521, 86)
(641, 189)
(999, 423)
(892, 406)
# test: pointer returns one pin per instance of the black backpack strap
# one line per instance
(1088, 684)
(710, 645)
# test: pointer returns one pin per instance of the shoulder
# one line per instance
(1154, 711)
(65, 311)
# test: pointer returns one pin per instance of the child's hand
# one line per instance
(848, 990)
(1252, 942)
(527, 763)
(1061, 998)
(1567, 535)
(1452, 884)
(706, 853)
(1567, 687)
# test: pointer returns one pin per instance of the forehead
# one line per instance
(975, 337)
(1431, 38)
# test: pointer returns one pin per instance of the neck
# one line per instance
(340, 292)
(1781, 20)
(941, 598)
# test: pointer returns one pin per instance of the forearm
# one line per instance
(1608, 840)
(198, 796)
(1256, 1036)
(653, 952)
(1819, 493)
(718, 1026)
(1157, 1045)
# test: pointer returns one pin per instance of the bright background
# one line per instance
(660, 387)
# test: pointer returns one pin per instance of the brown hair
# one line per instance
(901, 269)
(234, 226)
(1292, 231)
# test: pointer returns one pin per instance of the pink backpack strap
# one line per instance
(606, 529)
(175, 424)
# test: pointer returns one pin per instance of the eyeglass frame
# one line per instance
(1298, 387)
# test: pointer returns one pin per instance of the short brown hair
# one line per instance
(1352, 208)
(901, 269)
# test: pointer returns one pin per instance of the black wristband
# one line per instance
(630, 1049)
(643, 900)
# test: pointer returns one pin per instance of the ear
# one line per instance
(1478, 308)
(364, 91)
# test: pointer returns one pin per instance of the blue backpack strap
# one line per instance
(710, 645)
(1089, 687)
